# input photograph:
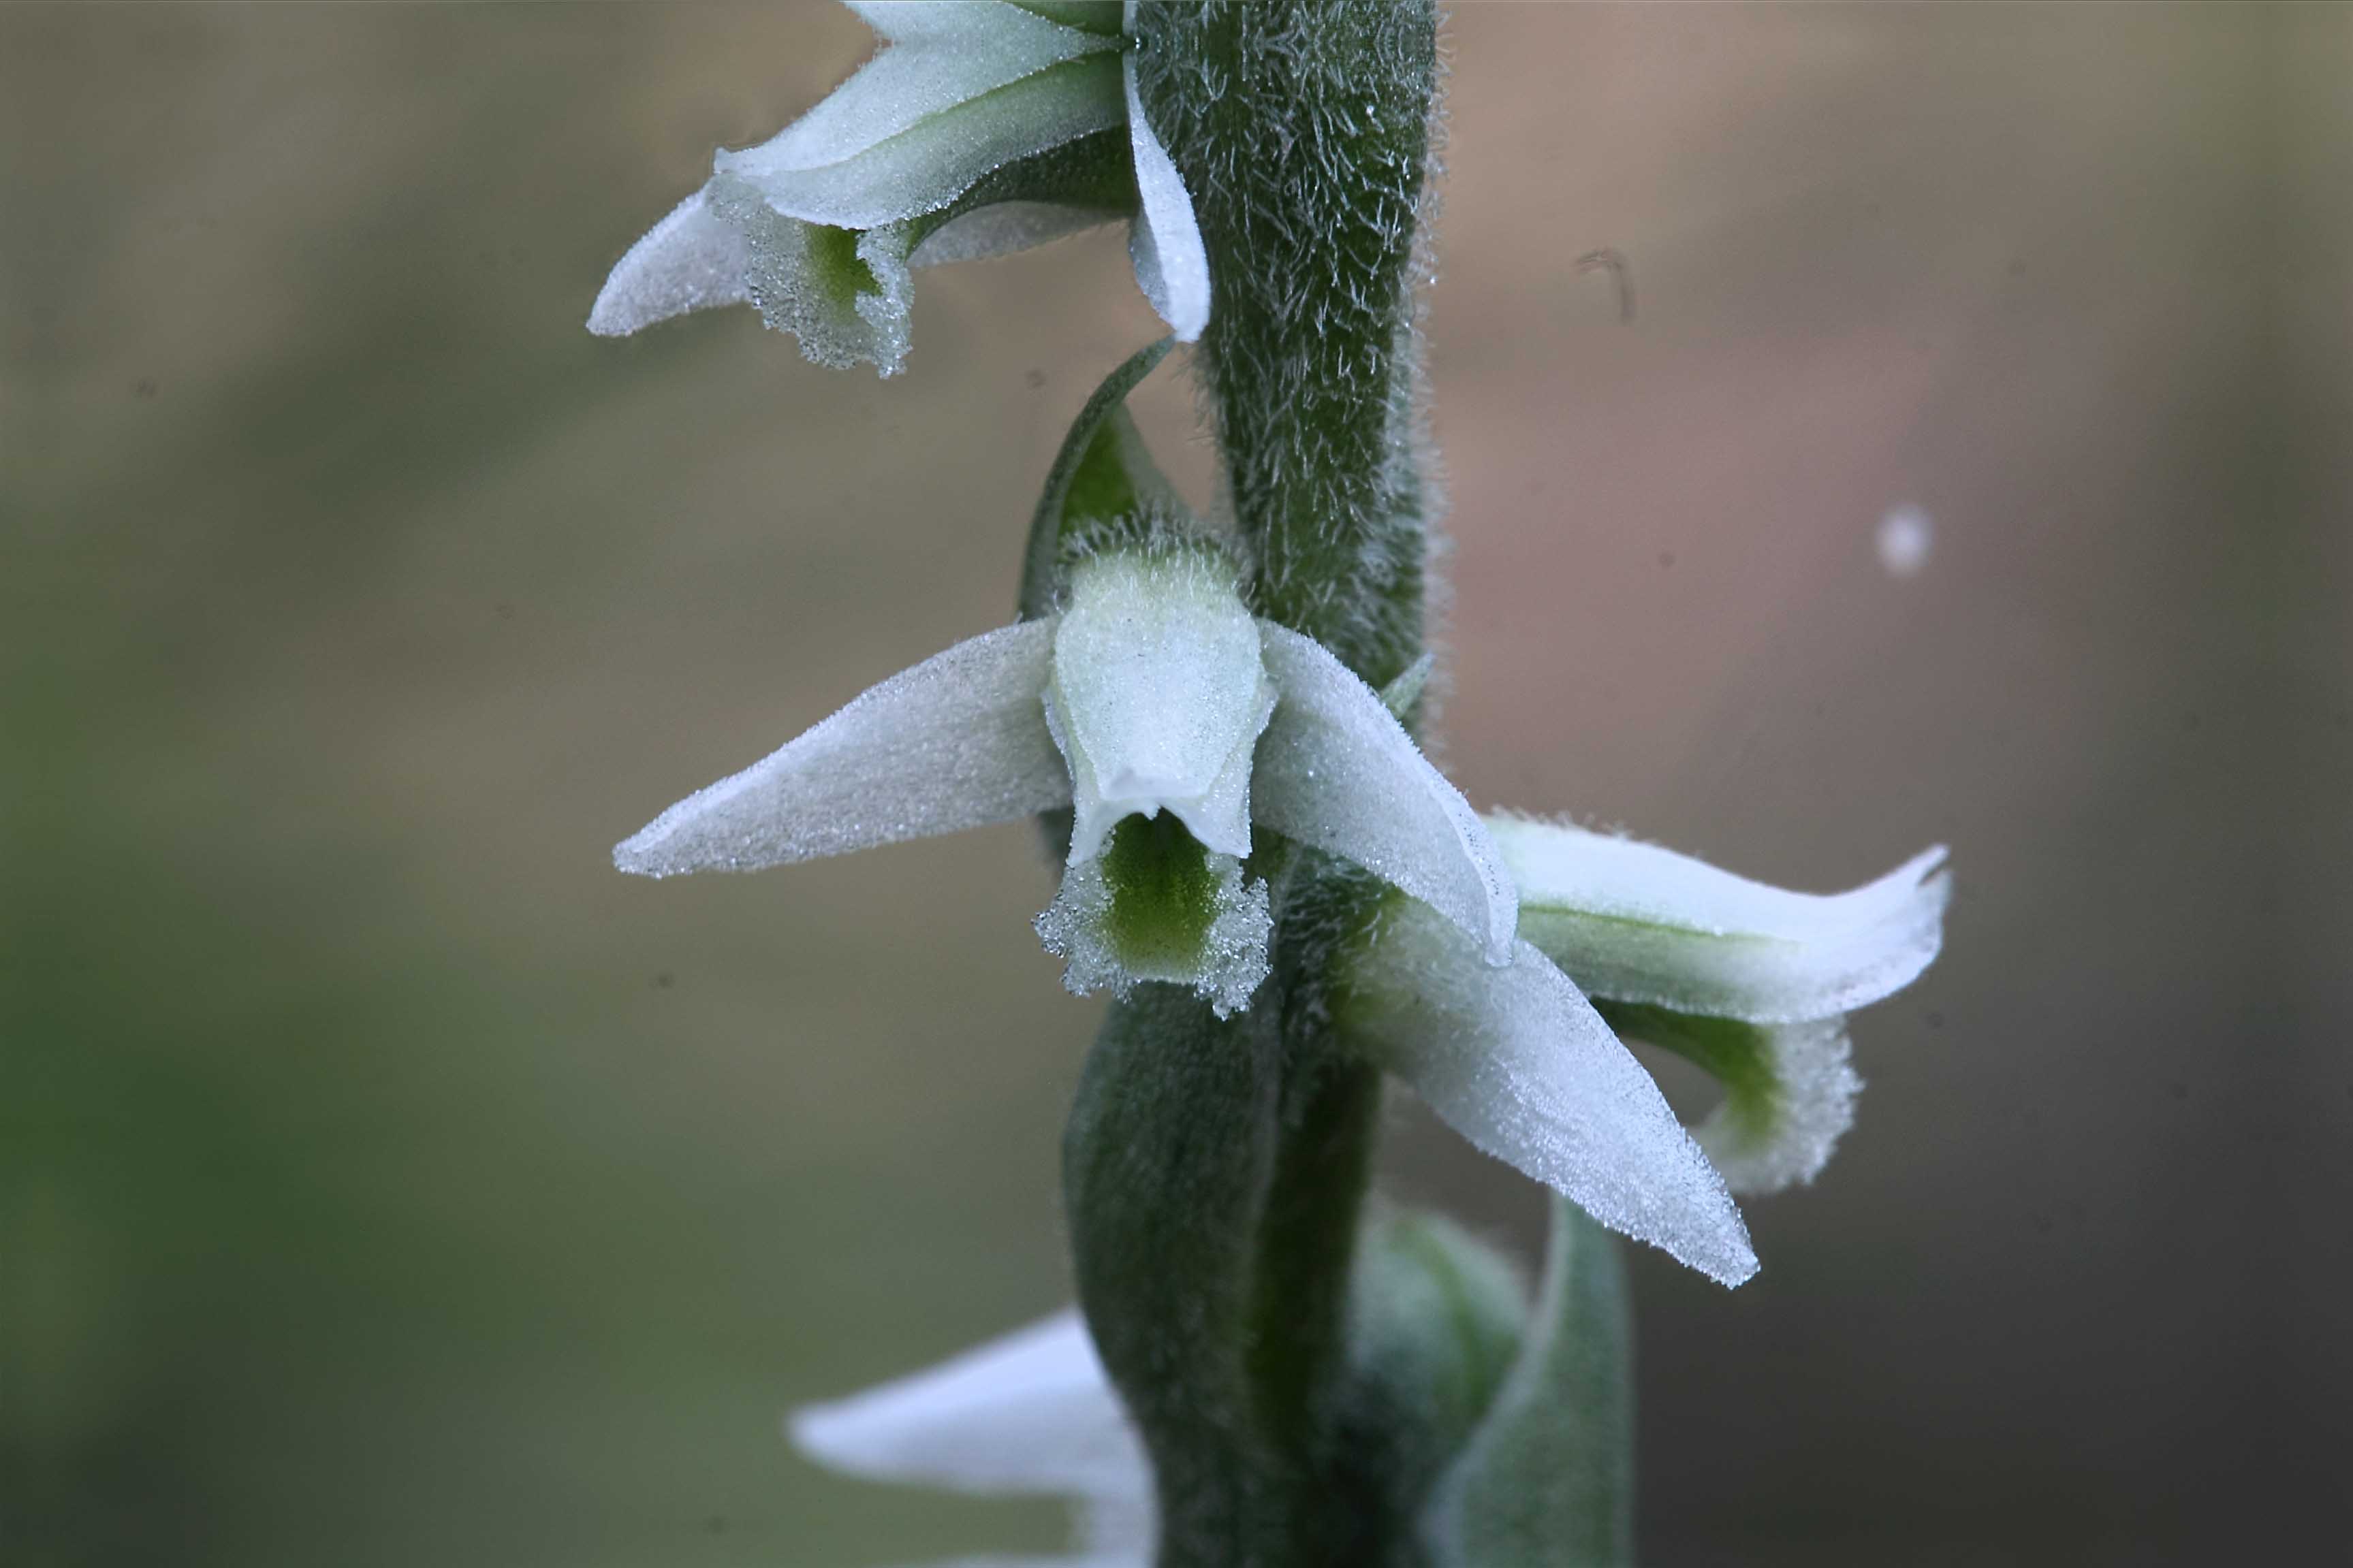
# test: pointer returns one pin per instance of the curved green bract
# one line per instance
(1095, 478)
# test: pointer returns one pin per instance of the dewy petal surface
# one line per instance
(1030, 1413)
(1002, 227)
(691, 260)
(1813, 1070)
(933, 162)
(1639, 923)
(958, 742)
(1172, 265)
(1159, 692)
(1517, 1061)
(938, 55)
(1335, 770)
(1788, 1089)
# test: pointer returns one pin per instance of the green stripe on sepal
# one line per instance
(1547, 1480)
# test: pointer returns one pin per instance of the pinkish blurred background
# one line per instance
(383, 1180)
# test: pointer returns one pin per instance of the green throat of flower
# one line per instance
(1164, 895)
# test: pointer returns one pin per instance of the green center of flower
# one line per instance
(839, 271)
(1164, 895)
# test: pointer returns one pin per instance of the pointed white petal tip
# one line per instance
(957, 742)
(1335, 770)
(1031, 1413)
(1517, 1061)
(1635, 922)
(691, 260)
(1172, 265)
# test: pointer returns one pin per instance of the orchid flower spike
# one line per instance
(1031, 1414)
(1175, 724)
(982, 127)
(1620, 938)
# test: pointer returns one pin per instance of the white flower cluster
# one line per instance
(1179, 728)
(1155, 692)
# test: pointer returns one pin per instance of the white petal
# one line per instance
(1517, 1061)
(691, 260)
(1030, 1413)
(1638, 923)
(1003, 227)
(1337, 770)
(1813, 1105)
(1158, 695)
(931, 163)
(1226, 968)
(1172, 267)
(941, 53)
(957, 742)
(848, 297)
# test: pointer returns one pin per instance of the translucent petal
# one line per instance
(1030, 1413)
(1517, 1061)
(931, 163)
(1788, 1089)
(1172, 265)
(691, 260)
(1003, 227)
(957, 742)
(1812, 1067)
(1639, 923)
(1158, 696)
(1337, 770)
(940, 55)
(1220, 948)
(846, 297)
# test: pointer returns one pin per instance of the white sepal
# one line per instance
(938, 55)
(940, 157)
(1517, 1061)
(1635, 922)
(1158, 696)
(959, 740)
(1031, 1413)
(1335, 770)
(691, 260)
(1172, 265)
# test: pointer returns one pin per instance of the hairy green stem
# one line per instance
(1217, 1172)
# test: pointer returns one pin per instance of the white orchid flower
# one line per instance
(1031, 1414)
(1752, 982)
(982, 127)
(1174, 723)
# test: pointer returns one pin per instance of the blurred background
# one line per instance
(385, 1181)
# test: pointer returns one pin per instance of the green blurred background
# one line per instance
(384, 1181)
